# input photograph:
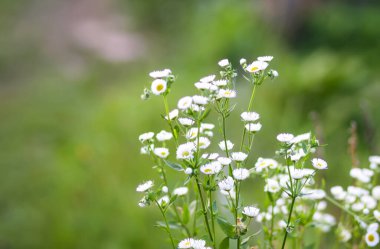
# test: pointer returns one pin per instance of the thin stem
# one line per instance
(212, 217)
(175, 135)
(249, 109)
(167, 225)
(287, 225)
(236, 213)
(204, 209)
(225, 143)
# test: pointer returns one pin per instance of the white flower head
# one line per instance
(186, 121)
(223, 63)
(200, 100)
(160, 74)
(207, 79)
(376, 193)
(257, 66)
(185, 103)
(251, 211)
(238, 156)
(272, 186)
(165, 189)
(265, 58)
(374, 159)
(224, 160)
(186, 243)
(250, 116)
(253, 127)
(297, 174)
(185, 151)
(192, 133)
(161, 152)
(172, 115)
(222, 145)
(211, 156)
(163, 201)
(226, 93)
(242, 61)
(207, 126)
(188, 171)
(145, 150)
(203, 142)
(227, 184)
(220, 82)
(319, 163)
(146, 136)
(376, 214)
(345, 235)
(144, 186)
(300, 138)
(164, 135)
(372, 238)
(199, 244)
(211, 168)
(158, 86)
(205, 86)
(180, 191)
(285, 137)
(240, 174)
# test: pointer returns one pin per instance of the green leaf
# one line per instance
(185, 214)
(227, 227)
(172, 225)
(214, 208)
(174, 166)
(225, 244)
(205, 114)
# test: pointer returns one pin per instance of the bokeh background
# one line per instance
(71, 75)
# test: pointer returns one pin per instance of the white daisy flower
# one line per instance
(188, 171)
(376, 214)
(345, 235)
(208, 133)
(238, 156)
(192, 133)
(227, 184)
(180, 191)
(224, 160)
(252, 127)
(203, 142)
(272, 186)
(297, 174)
(207, 79)
(158, 86)
(207, 126)
(274, 73)
(319, 163)
(145, 150)
(163, 201)
(263, 163)
(211, 168)
(203, 86)
(146, 136)
(223, 63)
(185, 151)
(300, 138)
(164, 135)
(251, 211)
(265, 58)
(211, 156)
(186, 121)
(172, 115)
(186, 243)
(226, 93)
(372, 238)
(374, 159)
(240, 174)
(161, 152)
(368, 201)
(242, 61)
(257, 66)
(185, 103)
(200, 100)
(220, 82)
(197, 108)
(144, 186)
(222, 145)
(357, 207)
(376, 192)
(165, 189)
(199, 244)
(285, 137)
(250, 116)
(160, 74)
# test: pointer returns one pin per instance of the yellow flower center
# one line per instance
(185, 153)
(208, 170)
(159, 87)
(253, 69)
(371, 237)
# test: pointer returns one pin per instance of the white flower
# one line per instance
(180, 191)
(211, 156)
(376, 214)
(146, 136)
(144, 186)
(204, 86)
(160, 74)
(223, 63)
(200, 100)
(197, 108)
(222, 145)
(242, 61)
(186, 121)
(263, 163)
(274, 73)
(296, 174)
(199, 244)
(158, 86)
(376, 192)
(220, 82)
(227, 184)
(285, 137)
(207, 126)
(265, 58)
(319, 163)
(163, 201)
(224, 160)
(240, 174)
(185, 103)
(300, 138)
(372, 238)
(368, 201)
(250, 116)
(188, 171)
(161, 152)
(238, 156)
(186, 243)
(251, 211)
(192, 133)
(226, 93)
(211, 168)
(185, 151)
(172, 115)
(251, 127)
(272, 186)
(208, 133)
(338, 192)
(208, 79)
(146, 149)
(374, 159)
(203, 142)
(357, 207)
(345, 235)
(256, 66)
(165, 189)
(164, 135)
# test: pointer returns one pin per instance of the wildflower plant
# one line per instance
(208, 200)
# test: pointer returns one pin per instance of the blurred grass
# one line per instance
(68, 145)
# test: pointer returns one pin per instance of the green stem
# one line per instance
(289, 218)
(175, 135)
(225, 143)
(249, 109)
(204, 208)
(236, 213)
(167, 225)
(212, 218)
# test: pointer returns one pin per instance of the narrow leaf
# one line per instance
(225, 244)
(174, 166)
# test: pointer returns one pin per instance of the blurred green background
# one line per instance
(71, 75)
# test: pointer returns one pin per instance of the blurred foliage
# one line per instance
(68, 145)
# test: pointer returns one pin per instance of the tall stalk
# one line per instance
(167, 225)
